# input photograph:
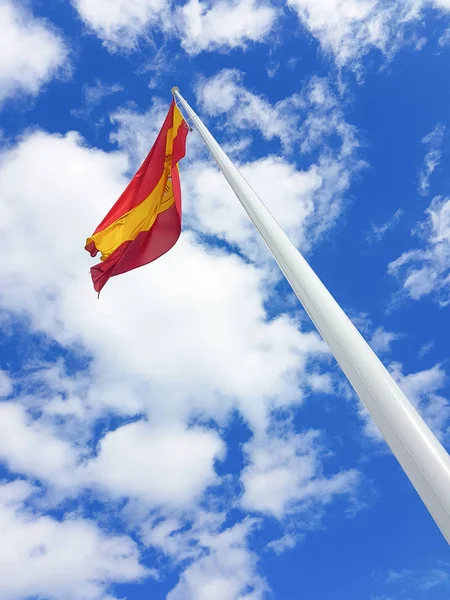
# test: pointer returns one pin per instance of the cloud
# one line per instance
(286, 542)
(160, 466)
(444, 40)
(217, 211)
(223, 296)
(120, 23)
(425, 349)
(423, 580)
(381, 340)
(216, 557)
(321, 382)
(168, 354)
(434, 578)
(32, 53)
(168, 467)
(201, 26)
(433, 143)
(224, 24)
(226, 571)
(426, 271)
(6, 386)
(31, 448)
(302, 121)
(307, 202)
(345, 28)
(349, 29)
(70, 558)
(379, 231)
(284, 476)
(93, 96)
(134, 129)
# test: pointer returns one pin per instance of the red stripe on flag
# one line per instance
(145, 248)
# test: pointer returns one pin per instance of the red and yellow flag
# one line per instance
(145, 222)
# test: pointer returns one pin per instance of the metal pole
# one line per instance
(419, 452)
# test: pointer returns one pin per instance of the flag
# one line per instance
(145, 222)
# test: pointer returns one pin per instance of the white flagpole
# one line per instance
(418, 451)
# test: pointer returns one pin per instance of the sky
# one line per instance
(188, 436)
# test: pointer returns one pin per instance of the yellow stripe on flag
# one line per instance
(141, 217)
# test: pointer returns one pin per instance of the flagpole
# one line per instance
(420, 454)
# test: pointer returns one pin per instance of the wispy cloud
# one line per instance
(312, 123)
(423, 580)
(349, 29)
(378, 232)
(433, 143)
(423, 351)
(286, 542)
(93, 95)
(426, 271)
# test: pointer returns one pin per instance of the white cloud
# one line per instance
(185, 537)
(434, 578)
(425, 349)
(381, 340)
(286, 542)
(302, 121)
(218, 25)
(186, 339)
(120, 23)
(349, 29)
(305, 202)
(31, 52)
(284, 476)
(168, 467)
(71, 558)
(227, 570)
(93, 96)
(379, 231)
(31, 448)
(444, 40)
(423, 580)
(426, 271)
(287, 192)
(225, 93)
(444, 4)
(238, 359)
(321, 382)
(217, 558)
(219, 94)
(433, 143)
(135, 130)
(224, 24)
(6, 385)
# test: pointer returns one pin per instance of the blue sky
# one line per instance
(189, 436)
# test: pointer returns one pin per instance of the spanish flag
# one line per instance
(145, 222)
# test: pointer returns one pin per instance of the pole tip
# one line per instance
(175, 89)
